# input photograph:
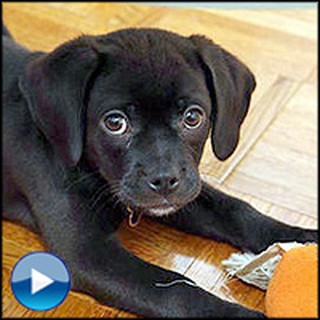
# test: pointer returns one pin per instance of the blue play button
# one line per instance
(40, 281)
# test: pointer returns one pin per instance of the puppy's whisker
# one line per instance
(97, 196)
(116, 201)
(115, 188)
(81, 179)
(111, 191)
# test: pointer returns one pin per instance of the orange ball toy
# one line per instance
(293, 289)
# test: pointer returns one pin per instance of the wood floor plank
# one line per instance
(110, 16)
(59, 22)
(296, 126)
(262, 48)
(152, 241)
(273, 192)
(309, 15)
(294, 171)
(266, 207)
(284, 160)
(303, 25)
(46, 24)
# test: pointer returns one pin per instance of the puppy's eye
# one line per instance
(193, 117)
(115, 123)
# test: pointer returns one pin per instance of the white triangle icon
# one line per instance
(39, 281)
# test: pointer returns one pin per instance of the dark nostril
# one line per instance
(155, 184)
(173, 183)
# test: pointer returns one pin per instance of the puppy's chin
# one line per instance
(156, 211)
(161, 211)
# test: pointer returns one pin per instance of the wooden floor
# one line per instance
(274, 168)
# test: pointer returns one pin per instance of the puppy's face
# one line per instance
(148, 119)
(138, 105)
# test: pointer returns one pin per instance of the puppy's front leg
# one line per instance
(118, 278)
(224, 218)
(101, 267)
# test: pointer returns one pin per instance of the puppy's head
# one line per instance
(138, 105)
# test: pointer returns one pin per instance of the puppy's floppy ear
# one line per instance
(230, 84)
(55, 85)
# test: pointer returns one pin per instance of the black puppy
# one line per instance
(112, 126)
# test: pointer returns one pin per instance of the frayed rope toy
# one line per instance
(289, 274)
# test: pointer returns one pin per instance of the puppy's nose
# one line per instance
(164, 184)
